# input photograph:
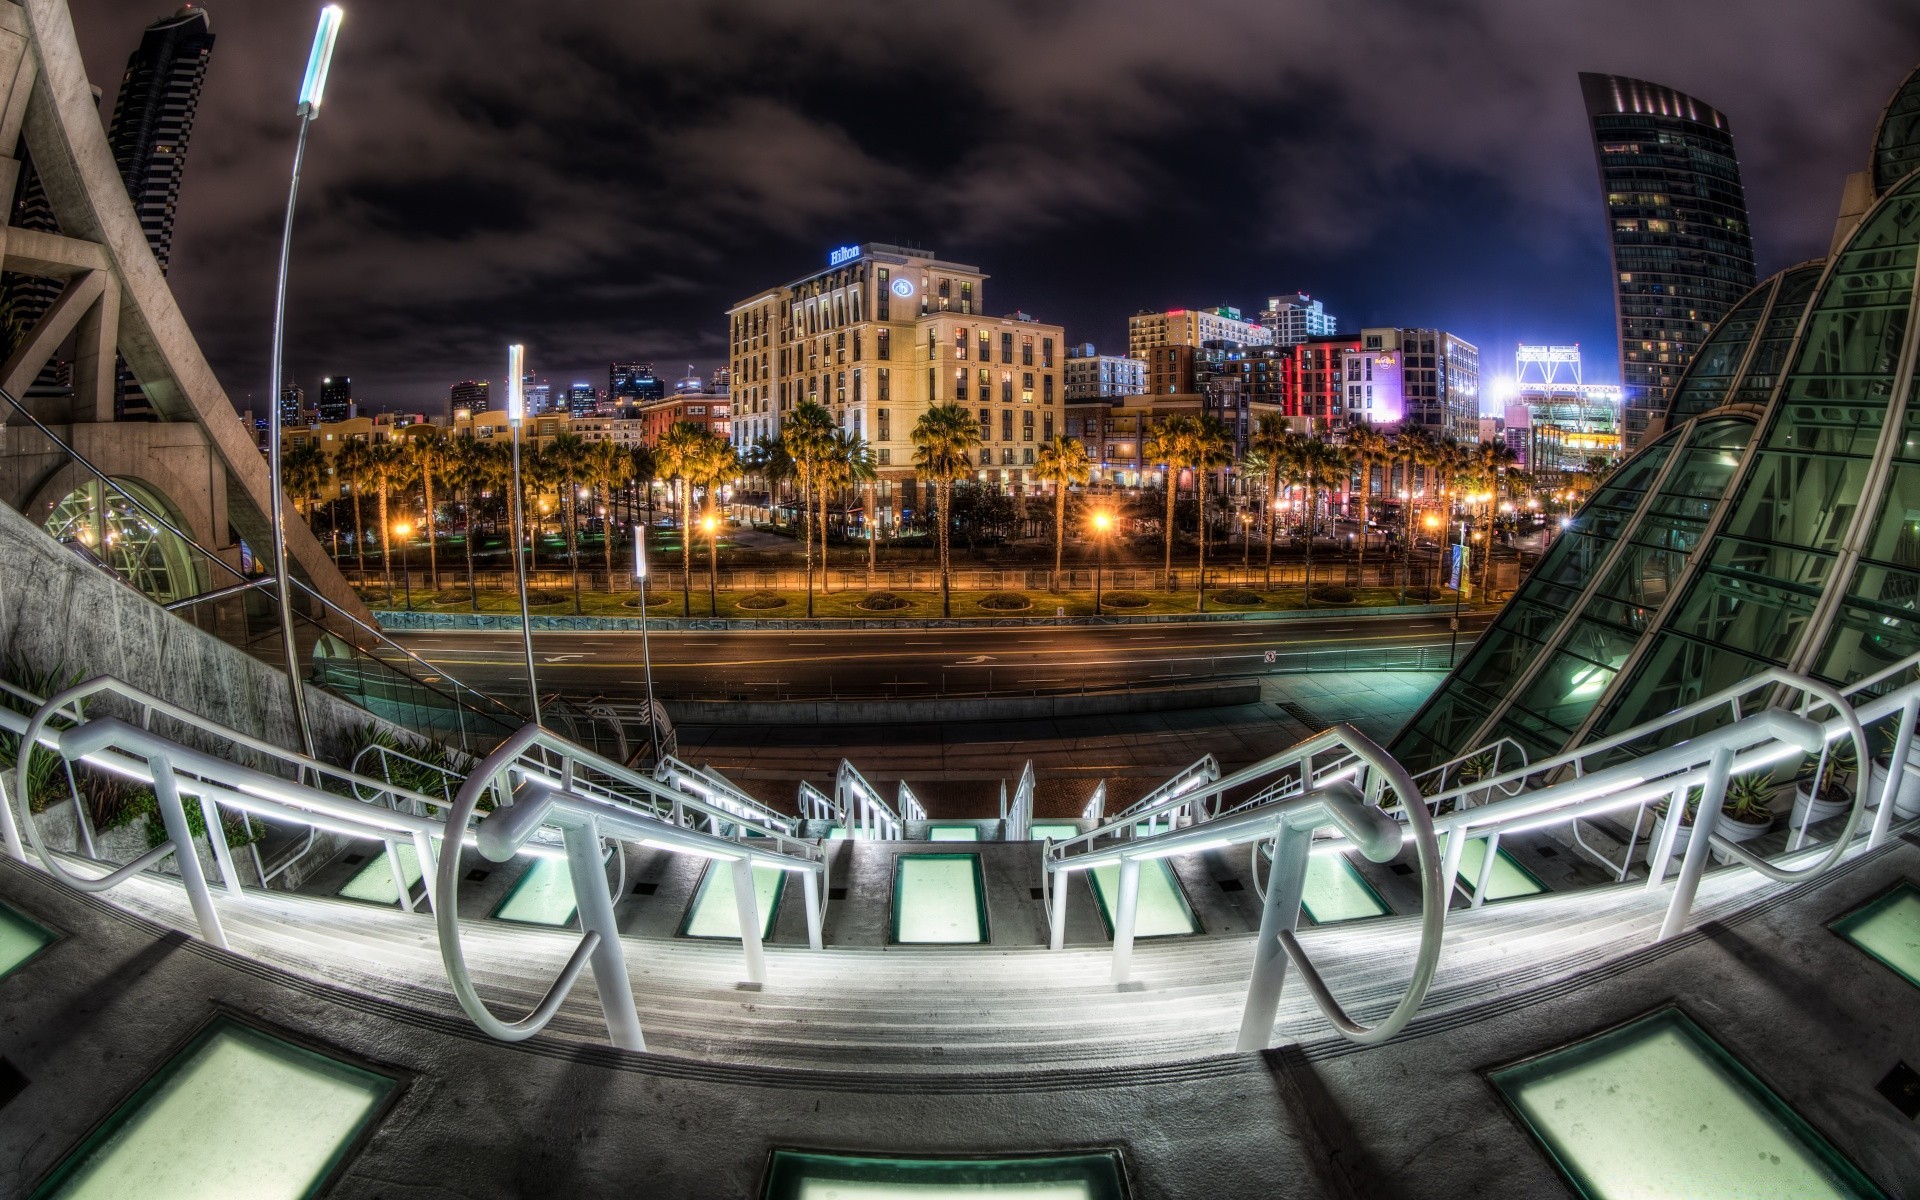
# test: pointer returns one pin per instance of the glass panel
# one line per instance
(543, 895)
(374, 883)
(938, 898)
(953, 833)
(1657, 1108)
(20, 940)
(1162, 910)
(237, 1115)
(1798, 500)
(715, 914)
(1889, 929)
(1789, 305)
(1054, 832)
(1336, 891)
(1718, 360)
(1509, 878)
(798, 1175)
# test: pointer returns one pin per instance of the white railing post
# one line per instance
(1669, 832)
(429, 861)
(173, 817)
(216, 842)
(747, 904)
(9, 831)
(810, 886)
(400, 885)
(1694, 865)
(1057, 910)
(1896, 772)
(1126, 907)
(1286, 880)
(588, 870)
(1487, 863)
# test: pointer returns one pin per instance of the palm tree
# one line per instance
(807, 436)
(1269, 447)
(715, 462)
(1369, 449)
(1322, 465)
(1170, 443)
(566, 458)
(351, 465)
(389, 468)
(944, 439)
(1063, 461)
(1493, 459)
(855, 467)
(477, 467)
(1416, 448)
(432, 455)
(303, 468)
(608, 470)
(1211, 446)
(679, 454)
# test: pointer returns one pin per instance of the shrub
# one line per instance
(1423, 595)
(1005, 602)
(654, 599)
(1237, 596)
(760, 601)
(1125, 600)
(536, 599)
(883, 602)
(1333, 595)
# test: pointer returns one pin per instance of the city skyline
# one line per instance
(1453, 190)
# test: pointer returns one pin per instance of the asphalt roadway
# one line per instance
(906, 663)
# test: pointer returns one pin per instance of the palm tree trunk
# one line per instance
(1059, 530)
(606, 534)
(1273, 521)
(806, 536)
(1306, 592)
(473, 589)
(826, 578)
(945, 492)
(1200, 508)
(359, 536)
(573, 539)
(1366, 485)
(433, 561)
(686, 549)
(386, 551)
(873, 529)
(1173, 488)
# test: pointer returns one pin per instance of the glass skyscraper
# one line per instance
(1677, 220)
(1774, 523)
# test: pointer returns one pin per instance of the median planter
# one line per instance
(1005, 602)
(654, 600)
(884, 602)
(1126, 600)
(761, 601)
(1238, 596)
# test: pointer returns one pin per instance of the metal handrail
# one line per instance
(717, 795)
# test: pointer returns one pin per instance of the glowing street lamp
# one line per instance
(711, 527)
(404, 530)
(1101, 521)
(312, 87)
(516, 415)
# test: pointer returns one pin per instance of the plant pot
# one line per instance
(1726, 827)
(1736, 831)
(1680, 839)
(1906, 801)
(1816, 811)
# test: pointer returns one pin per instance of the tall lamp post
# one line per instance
(404, 531)
(516, 414)
(646, 650)
(312, 88)
(1100, 523)
(710, 526)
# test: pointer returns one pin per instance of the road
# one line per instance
(922, 662)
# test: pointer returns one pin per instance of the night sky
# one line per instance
(600, 180)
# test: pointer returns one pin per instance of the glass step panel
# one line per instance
(953, 833)
(374, 882)
(543, 895)
(1509, 879)
(237, 1115)
(20, 940)
(714, 913)
(1336, 891)
(1658, 1108)
(1162, 911)
(1053, 832)
(939, 899)
(799, 1175)
(1888, 928)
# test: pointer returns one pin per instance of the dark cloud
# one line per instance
(601, 180)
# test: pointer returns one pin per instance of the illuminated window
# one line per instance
(883, 344)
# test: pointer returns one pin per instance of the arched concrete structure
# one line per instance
(115, 301)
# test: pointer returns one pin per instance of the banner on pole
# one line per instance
(1459, 567)
(640, 553)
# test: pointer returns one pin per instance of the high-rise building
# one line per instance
(538, 396)
(1192, 327)
(634, 383)
(1090, 375)
(1294, 318)
(474, 395)
(336, 399)
(877, 336)
(1439, 381)
(153, 119)
(582, 400)
(293, 403)
(1677, 217)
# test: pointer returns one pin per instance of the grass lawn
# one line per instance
(559, 602)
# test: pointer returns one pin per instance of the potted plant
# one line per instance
(1748, 810)
(1906, 801)
(1825, 794)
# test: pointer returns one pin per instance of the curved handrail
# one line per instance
(1433, 904)
(446, 910)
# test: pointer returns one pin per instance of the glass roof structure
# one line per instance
(1774, 522)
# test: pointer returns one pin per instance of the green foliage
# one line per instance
(1237, 596)
(46, 777)
(762, 600)
(884, 602)
(1333, 595)
(1005, 602)
(1750, 797)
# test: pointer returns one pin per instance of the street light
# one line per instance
(312, 88)
(1101, 521)
(1432, 523)
(711, 528)
(404, 530)
(516, 414)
